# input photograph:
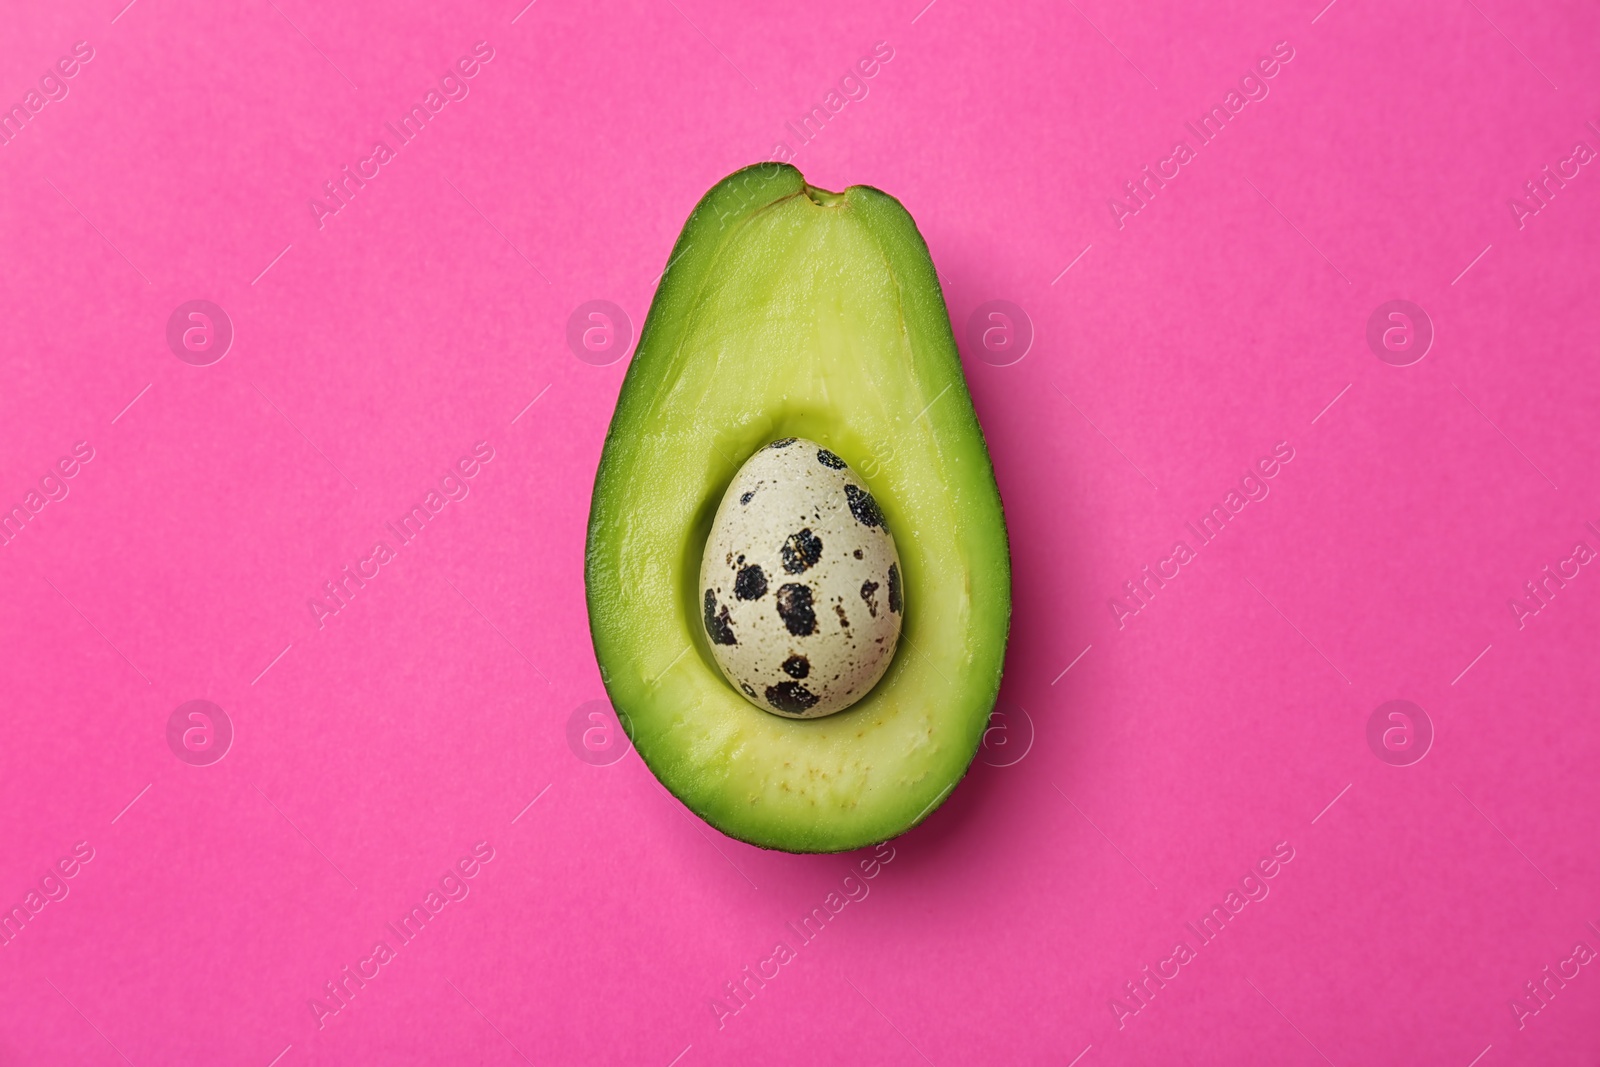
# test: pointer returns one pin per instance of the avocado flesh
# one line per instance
(791, 311)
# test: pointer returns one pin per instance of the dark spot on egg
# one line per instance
(794, 607)
(801, 551)
(828, 459)
(783, 443)
(869, 594)
(718, 626)
(857, 553)
(844, 620)
(749, 692)
(895, 603)
(797, 666)
(863, 507)
(751, 583)
(791, 697)
(745, 498)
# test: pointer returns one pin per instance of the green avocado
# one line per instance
(790, 311)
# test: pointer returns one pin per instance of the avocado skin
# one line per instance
(718, 217)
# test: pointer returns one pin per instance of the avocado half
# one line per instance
(790, 311)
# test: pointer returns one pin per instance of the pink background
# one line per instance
(425, 716)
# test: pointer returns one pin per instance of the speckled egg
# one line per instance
(801, 583)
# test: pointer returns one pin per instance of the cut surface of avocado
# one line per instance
(790, 311)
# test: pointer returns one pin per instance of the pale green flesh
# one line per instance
(818, 320)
